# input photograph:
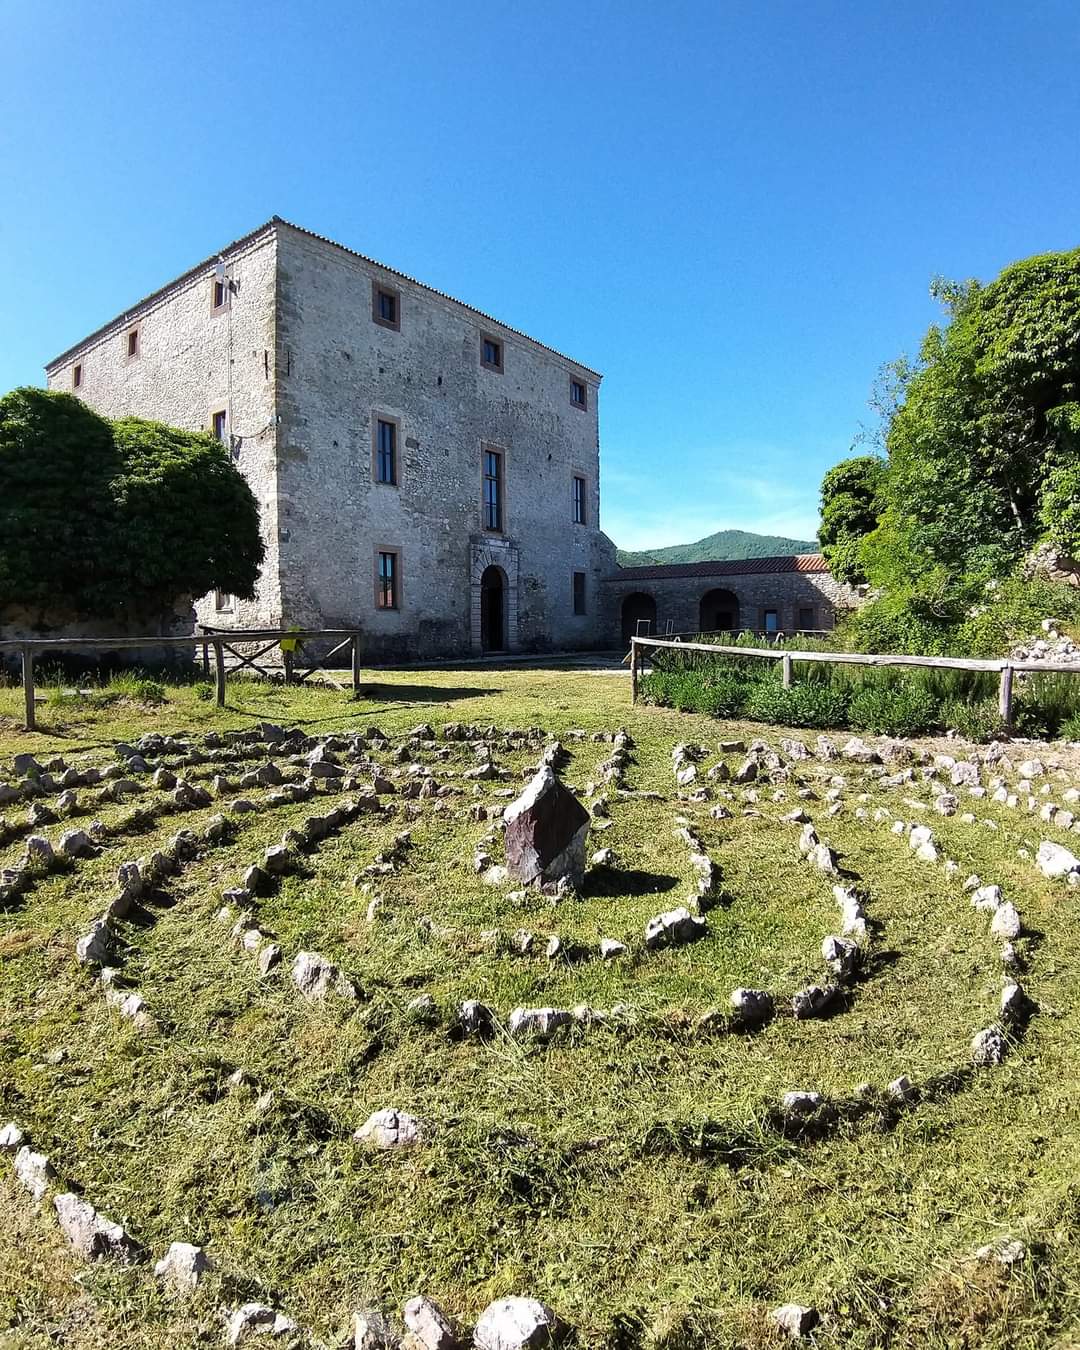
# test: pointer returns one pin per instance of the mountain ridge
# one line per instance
(723, 546)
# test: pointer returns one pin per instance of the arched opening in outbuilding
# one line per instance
(493, 609)
(719, 612)
(638, 609)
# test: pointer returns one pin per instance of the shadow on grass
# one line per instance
(620, 881)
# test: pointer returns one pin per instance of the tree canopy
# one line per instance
(983, 446)
(117, 517)
(850, 508)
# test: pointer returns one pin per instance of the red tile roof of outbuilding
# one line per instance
(730, 567)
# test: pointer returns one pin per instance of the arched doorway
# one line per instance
(719, 612)
(493, 610)
(635, 608)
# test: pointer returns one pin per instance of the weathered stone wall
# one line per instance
(191, 363)
(679, 599)
(338, 370)
(19, 623)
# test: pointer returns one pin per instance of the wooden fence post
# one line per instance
(287, 664)
(355, 650)
(633, 670)
(206, 659)
(1005, 695)
(28, 686)
(785, 669)
(219, 671)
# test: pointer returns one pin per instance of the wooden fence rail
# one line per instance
(1003, 668)
(214, 640)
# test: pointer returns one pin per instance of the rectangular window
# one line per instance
(491, 353)
(579, 500)
(224, 603)
(385, 451)
(131, 343)
(770, 620)
(492, 490)
(386, 582)
(386, 306)
(579, 395)
(579, 592)
(807, 620)
(220, 424)
(76, 378)
(219, 294)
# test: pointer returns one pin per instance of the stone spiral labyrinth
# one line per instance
(283, 1026)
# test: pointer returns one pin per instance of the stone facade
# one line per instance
(784, 595)
(280, 345)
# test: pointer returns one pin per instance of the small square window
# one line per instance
(579, 395)
(386, 580)
(580, 510)
(770, 620)
(76, 377)
(219, 423)
(385, 451)
(807, 619)
(386, 306)
(491, 353)
(579, 592)
(224, 603)
(131, 344)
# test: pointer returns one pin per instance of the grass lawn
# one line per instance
(635, 1173)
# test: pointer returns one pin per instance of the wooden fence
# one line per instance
(214, 640)
(1004, 669)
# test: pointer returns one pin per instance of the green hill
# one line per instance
(719, 547)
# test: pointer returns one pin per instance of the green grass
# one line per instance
(570, 1171)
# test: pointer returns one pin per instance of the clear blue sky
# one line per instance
(733, 210)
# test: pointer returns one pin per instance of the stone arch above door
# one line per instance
(503, 554)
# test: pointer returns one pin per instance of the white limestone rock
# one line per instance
(11, 1138)
(989, 1047)
(182, 1267)
(34, 1171)
(1006, 922)
(92, 1235)
(673, 928)
(390, 1128)
(1055, 861)
(515, 1323)
(801, 1103)
(539, 1022)
(256, 1319)
(752, 1005)
(794, 1320)
(429, 1324)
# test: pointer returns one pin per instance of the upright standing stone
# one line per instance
(546, 830)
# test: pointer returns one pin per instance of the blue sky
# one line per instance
(732, 210)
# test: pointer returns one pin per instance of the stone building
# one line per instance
(767, 595)
(425, 473)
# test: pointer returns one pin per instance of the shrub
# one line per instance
(898, 710)
(974, 721)
(1070, 728)
(803, 705)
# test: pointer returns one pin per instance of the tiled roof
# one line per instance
(731, 567)
(272, 223)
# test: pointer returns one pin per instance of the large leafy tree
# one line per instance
(57, 512)
(850, 508)
(116, 518)
(982, 449)
(191, 523)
